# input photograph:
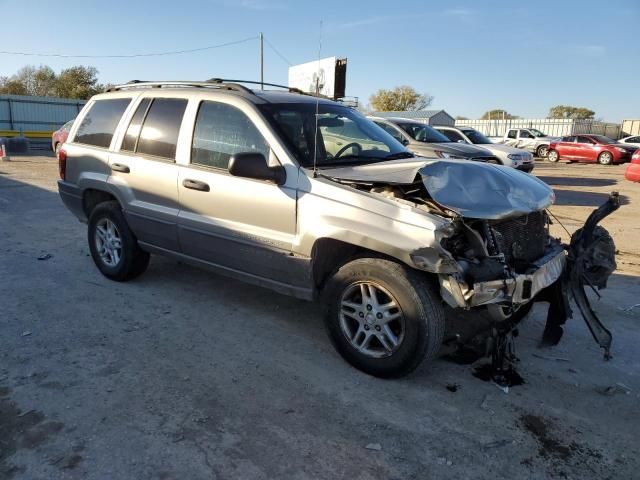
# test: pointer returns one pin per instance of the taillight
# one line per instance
(62, 163)
(636, 157)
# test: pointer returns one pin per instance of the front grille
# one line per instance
(522, 239)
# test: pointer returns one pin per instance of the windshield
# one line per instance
(344, 135)
(423, 133)
(476, 137)
(537, 133)
(602, 139)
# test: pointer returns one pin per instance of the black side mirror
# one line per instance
(405, 142)
(254, 165)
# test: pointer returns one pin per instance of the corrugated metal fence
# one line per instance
(36, 117)
(551, 126)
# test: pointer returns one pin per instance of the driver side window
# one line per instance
(222, 131)
(525, 134)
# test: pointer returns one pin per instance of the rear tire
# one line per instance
(114, 248)
(542, 151)
(605, 158)
(553, 156)
(394, 339)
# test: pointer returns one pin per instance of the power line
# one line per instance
(277, 52)
(152, 54)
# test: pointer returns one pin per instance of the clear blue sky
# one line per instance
(471, 55)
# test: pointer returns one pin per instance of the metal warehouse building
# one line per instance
(430, 117)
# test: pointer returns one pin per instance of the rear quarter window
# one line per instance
(100, 122)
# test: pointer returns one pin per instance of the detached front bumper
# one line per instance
(516, 289)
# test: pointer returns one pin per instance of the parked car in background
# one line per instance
(633, 169)
(590, 148)
(530, 139)
(633, 140)
(60, 136)
(509, 156)
(426, 141)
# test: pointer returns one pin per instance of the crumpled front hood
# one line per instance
(478, 190)
(471, 189)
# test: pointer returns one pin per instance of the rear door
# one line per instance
(145, 173)
(242, 225)
(566, 147)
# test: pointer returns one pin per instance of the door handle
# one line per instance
(118, 167)
(195, 185)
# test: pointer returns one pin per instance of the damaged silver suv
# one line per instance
(308, 197)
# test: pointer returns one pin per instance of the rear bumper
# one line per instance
(517, 289)
(71, 196)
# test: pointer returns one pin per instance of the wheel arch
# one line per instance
(92, 197)
(329, 254)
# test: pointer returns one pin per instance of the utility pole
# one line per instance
(261, 61)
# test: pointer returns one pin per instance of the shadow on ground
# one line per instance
(578, 181)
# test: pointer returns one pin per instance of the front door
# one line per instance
(243, 225)
(585, 149)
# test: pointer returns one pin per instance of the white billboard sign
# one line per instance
(305, 76)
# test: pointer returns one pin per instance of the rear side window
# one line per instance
(222, 131)
(391, 131)
(511, 134)
(585, 140)
(159, 133)
(100, 122)
(131, 137)
(451, 135)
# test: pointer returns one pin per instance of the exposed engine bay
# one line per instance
(498, 239)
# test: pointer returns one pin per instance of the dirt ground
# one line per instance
(182, 374)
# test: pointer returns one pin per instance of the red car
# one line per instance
(633, 169)
(590, 148)
(60, 136)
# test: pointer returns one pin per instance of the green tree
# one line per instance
(567, 111)
(400, 98)
(30, 80)
(75, 82)
(497, 114)
(11, 86)
(78, 82)
(460, 117)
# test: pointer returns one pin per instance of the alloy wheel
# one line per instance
(371, 319)
(108, 242)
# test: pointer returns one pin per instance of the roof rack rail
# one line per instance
(211, 83)
(179, 83)
(255, 82)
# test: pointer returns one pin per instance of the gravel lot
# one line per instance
(182, 374)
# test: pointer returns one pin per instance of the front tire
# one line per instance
(542, 151)
(605, 158)
(114, 248)
(382, 317)
(553, 156)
